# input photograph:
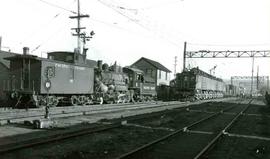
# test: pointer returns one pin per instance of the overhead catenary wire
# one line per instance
(228, 45)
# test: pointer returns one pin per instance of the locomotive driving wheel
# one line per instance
(82, 100)
(74, 100)
(53, 101)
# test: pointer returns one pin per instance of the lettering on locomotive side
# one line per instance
(59, 65)
(79, 68)
(146, 87)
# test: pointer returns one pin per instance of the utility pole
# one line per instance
(267, 82)
(175, 64)
(252, 71)
(184, 56)
(79, 28)
(257, 78)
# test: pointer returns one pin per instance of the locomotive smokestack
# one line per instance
(99, 64)
(26, 50)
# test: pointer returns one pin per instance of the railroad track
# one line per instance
(58, 112)
(36, 141)
(178, 144)
(68, 112)
(53, 138)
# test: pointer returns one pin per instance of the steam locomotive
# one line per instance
(66, 78)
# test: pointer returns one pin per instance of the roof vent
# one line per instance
(26, 50)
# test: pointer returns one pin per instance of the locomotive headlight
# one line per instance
(48, 84)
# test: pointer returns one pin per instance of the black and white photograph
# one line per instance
(134, 79)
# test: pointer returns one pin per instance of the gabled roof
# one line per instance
(154, 63)
(3, 55)
(133, 69)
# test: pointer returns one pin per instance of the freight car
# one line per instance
(65, 77)
(234, 91)
(267, 98)
(195, 84)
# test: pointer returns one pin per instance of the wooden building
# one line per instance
(160, 73)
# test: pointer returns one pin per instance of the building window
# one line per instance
(159, 74)
(153, 75)
(166, 77)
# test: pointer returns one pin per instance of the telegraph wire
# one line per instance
(49, 38)
(57, 6)
(48, 24)
(43, 27)
(113, 7)
(160, 5)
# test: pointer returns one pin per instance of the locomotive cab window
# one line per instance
(142, 79)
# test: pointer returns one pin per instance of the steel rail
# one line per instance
(58, 137)
(62, 136)
(129, 154)
(99, 111)
(221, 133)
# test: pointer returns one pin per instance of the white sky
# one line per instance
(155, 29)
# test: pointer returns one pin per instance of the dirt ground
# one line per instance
(111, 144)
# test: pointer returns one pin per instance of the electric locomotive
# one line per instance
(195, 84)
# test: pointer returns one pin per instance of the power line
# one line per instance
(57, 6)
(49, 38)
(43, 27)
(121, 10)
(48, 24)
(160, 5)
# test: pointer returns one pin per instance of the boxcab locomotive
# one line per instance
(196, 84)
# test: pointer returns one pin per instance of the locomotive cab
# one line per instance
(136, 77)
(142, 86)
